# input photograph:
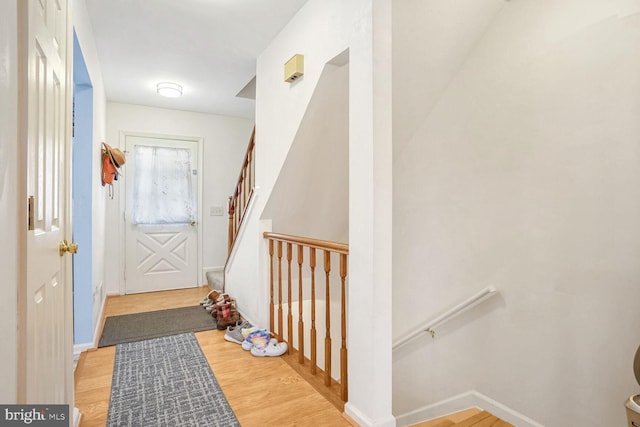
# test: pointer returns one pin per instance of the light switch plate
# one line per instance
(216, 211)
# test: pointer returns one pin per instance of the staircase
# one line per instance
(473, 417)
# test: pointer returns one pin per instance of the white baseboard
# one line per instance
(98, 331)
(504, 412)
(246, 318)
(79, 348)
(363, 421)
(76, 417)
(469, 399)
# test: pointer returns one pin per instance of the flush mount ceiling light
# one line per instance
(170, 90)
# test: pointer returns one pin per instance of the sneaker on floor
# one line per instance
(273, 348)
(246, 345)
(234, 333)
(258, 338)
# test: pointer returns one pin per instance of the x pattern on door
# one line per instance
(161, 252)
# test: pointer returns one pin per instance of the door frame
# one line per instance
(121, 222)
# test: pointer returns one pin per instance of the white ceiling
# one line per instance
(207, 46)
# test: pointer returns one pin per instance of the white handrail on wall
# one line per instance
(446, 316)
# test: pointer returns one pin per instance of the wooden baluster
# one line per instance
(289, 316)
(253, 168)
(343, 349)
(271, 308)
(241, 195)
(244, 188)
(327, 336)
(250, 171)
(239, 191)
(300, 304)
(312, 263)
(246, 184)
(231, 235)
(279, 291)
(236, 217)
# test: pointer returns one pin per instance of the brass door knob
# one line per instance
(65, 246)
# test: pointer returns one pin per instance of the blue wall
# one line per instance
(82, 199)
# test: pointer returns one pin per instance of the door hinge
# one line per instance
(31, 213)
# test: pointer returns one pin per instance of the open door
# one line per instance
(45, 303)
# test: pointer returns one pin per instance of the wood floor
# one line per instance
(263, 391)
(472, 417)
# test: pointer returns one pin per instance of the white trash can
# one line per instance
(633, 411)
(633, 404)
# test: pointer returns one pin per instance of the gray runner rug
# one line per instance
(154, 324)
(166, 382)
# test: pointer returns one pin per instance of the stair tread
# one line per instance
(215, 279)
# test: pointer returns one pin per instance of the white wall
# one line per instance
(225, 143)
(311, 195)
(11, 189)
(84, 31)
(522, 174)
(320, 31)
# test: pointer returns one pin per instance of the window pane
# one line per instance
(162, 192)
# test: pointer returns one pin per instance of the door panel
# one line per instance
(48, 376)
(159, 256)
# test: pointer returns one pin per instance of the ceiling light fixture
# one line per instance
(170, 90)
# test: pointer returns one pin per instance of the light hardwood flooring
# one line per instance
(472, 417)
(453, 418)
(263, 391)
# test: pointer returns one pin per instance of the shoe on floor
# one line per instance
(248, 345)
(273, 348)
(246, 331)
(258, 338)
(234, 333)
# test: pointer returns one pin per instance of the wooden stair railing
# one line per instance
(242, 193)
(287, 246)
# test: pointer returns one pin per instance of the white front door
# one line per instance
(161, 216)
(46, 304)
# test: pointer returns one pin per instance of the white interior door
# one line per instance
(161, 231)
(46, 305)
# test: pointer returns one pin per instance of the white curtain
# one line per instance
(162, 191)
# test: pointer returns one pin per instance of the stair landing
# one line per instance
(473, 417)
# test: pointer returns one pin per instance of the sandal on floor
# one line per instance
(258, 337)
(274, 348)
